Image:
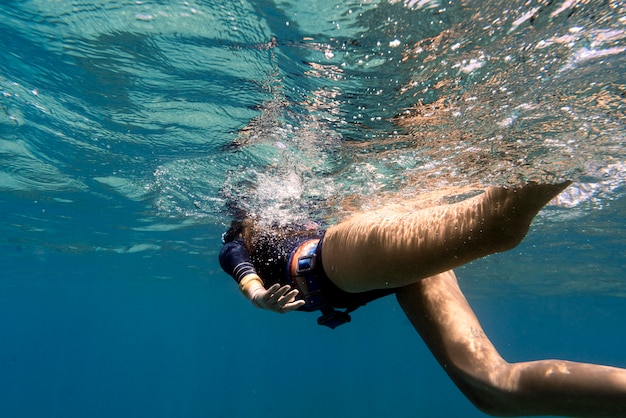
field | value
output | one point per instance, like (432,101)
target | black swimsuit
(270,260)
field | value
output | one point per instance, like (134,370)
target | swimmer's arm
(235,260)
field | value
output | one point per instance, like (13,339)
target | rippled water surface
(131,133)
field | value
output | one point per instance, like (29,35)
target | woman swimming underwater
(411,253)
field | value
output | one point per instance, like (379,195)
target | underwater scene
(133,132)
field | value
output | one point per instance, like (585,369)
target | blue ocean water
(129,130)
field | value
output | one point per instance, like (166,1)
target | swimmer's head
(235,231)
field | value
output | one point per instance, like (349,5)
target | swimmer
(411,253)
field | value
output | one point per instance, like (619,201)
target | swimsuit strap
(302,273)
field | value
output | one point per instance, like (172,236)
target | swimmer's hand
(276,298)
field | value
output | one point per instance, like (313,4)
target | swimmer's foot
(524,201)
(510,211)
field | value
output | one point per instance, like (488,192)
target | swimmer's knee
(492,394)
(490,403)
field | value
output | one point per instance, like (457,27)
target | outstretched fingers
(282,299)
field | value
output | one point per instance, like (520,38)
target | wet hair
(252,233)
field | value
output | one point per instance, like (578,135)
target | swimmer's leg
(442,316)
(391,249)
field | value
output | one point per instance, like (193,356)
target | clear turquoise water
(122,146)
